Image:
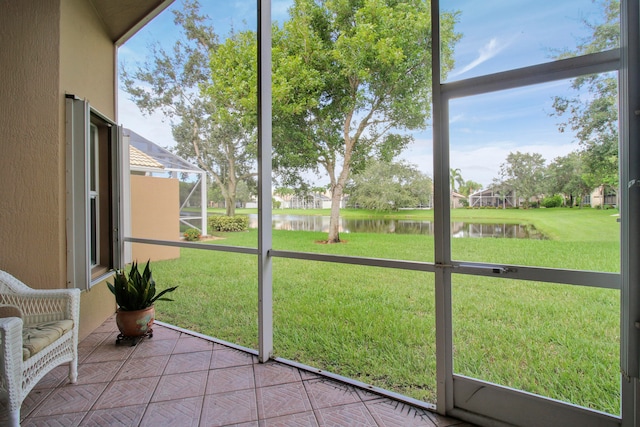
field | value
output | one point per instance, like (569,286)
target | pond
(399,226)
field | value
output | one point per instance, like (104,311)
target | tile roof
(139,159)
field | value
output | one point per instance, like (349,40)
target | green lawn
(377,325)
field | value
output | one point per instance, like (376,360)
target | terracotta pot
(135,323)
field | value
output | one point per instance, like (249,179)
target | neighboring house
(142,164)
(492,198)
(456,200)
(174,167)
(154,208)
(310,201)
(601,196)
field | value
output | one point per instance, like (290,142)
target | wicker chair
(43,337)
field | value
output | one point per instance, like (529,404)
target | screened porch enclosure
(478,328)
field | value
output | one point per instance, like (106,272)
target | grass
(378,325)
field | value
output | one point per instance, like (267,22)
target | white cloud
(482,164)
(486,52)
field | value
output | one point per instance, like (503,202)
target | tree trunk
(230,206)
(334,220)
(230,198)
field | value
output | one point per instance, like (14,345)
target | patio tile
(189,344)
(188,362)
(99,372)
(123,417)
(127,393)
(109,351)
(62,420)
(162,333)
(69,399)
(282,399)
(229,408)
(179,412)
(57,376)
(228,357)
(109,325)
(152,347)
(275,373)
(230,379)
(440,421)
(95,338)
(306,375)
(355,414)
(388,413)
(31,402)
(366,394)
(179,379)
(180,386)
(304,419)
(143,367)
(324,393)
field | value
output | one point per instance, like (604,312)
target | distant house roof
(140,161)
(168,160)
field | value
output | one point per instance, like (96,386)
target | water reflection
(402,226)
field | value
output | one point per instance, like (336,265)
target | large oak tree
(351,79)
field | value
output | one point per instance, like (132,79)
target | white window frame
(94,195)
(79,132)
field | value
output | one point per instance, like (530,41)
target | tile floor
(176,379)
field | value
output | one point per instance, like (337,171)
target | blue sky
(497,35)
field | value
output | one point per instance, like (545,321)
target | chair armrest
(11,351)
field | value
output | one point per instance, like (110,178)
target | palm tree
(455,177)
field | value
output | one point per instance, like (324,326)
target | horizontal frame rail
(341,259)
(502,271)
(493,401)
(540,274)
(206,247)
(536,74)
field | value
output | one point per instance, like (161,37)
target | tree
(455,178)
(524,173)
(205,122)
(566,175)
(469,187)
(594,116)
(350,76)
(385,186)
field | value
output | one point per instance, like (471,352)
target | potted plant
(135,295)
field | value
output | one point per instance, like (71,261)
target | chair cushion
(38,336)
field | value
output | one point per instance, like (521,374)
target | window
(94,202)
(93,188)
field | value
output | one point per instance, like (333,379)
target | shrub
(192,235)
(552,202)
(229,223)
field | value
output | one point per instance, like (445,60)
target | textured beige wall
(87,58)
(155,210)
(49,48)
(87,70)
(31,211)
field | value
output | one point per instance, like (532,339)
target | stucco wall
(155,211)
(49,48)
(87,67)
(87,70)
(31,209)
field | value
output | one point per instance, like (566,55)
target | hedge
(229,223)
